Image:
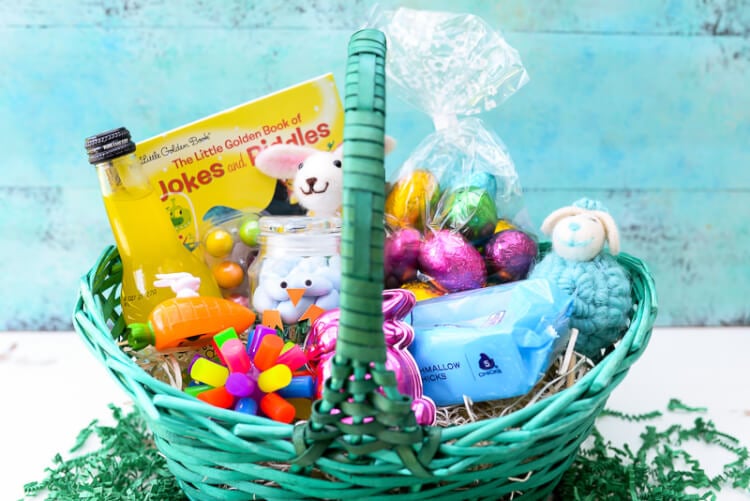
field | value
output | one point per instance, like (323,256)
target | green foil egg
(470,211)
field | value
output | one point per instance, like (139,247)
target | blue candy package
(490,343)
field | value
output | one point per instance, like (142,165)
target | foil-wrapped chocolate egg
(509,256)
(411,199)
(448,258)
(401,251)
(454,179)
(471,211)
(504,224)
(422,290)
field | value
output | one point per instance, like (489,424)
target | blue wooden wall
(644,105)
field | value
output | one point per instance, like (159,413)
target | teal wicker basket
(360,443)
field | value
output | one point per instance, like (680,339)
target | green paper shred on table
(660,469)
(128,467)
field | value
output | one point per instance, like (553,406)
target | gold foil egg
(504,224)
(422,290)
(411,198)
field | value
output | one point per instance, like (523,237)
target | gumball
(411,198)
(249,231)
(509,255)
(452,261)
(422,290)
(219,243)
(470,211)
(401,251)
(228,274)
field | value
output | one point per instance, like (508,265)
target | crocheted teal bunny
(578,264)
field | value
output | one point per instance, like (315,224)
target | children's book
(206,168)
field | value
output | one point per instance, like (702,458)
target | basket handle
(352,413)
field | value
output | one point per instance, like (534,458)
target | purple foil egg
(509,255)
(401,251)
(452,261)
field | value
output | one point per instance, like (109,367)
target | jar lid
(108,145)
(299,224)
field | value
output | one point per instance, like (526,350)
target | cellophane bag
(459,185)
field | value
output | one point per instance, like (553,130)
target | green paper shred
(676,405)
(127,466)
(660,469)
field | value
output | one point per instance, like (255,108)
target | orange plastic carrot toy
(188,321)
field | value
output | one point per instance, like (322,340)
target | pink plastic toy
(397,303)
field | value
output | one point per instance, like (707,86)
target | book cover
(207,167)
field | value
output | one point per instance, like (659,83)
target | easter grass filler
(564,371)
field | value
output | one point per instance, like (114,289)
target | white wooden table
(53,387)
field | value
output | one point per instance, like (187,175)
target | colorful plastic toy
(257,377)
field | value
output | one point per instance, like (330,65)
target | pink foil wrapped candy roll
(397,303)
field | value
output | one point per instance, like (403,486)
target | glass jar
(297,273)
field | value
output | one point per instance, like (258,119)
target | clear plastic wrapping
(447,64)
(229,244)
(460,180)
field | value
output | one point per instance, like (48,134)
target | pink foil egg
(448,258)
(401,253)
(509,255)
(397,303)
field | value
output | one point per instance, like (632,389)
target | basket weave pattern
(380,451)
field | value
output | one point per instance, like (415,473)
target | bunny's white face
(318,183)
(578,238)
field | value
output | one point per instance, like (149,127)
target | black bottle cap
(108,145)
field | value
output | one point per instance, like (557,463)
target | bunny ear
(551,220)
(282,160)
(613,234)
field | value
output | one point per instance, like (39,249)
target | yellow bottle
(147,243)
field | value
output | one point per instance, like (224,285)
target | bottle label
(133,299)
